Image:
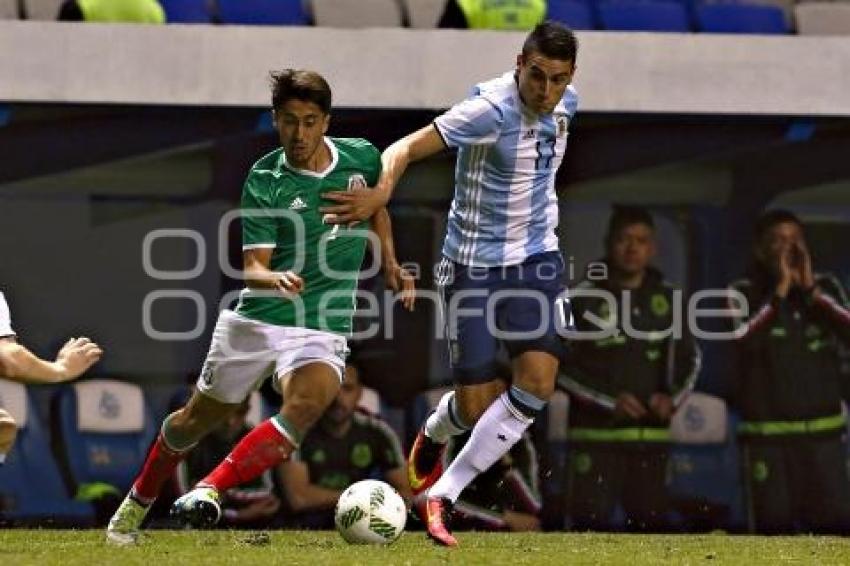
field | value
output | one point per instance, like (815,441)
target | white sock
(442,423)
(498,429)
(2,459)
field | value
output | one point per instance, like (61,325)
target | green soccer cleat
(124,526)
(200,508)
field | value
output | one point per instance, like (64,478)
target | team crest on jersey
(659,304)
(563,122)
(356,181)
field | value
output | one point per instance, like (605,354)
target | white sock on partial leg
(444,423)
(498,429)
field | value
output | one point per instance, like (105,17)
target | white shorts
(244,352)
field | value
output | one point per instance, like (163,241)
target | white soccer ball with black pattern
(370,512)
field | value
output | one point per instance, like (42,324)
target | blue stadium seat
(31,486)
(574,13)
(741,18)
(262,12)
(186,11)
(102,430)
(644,15)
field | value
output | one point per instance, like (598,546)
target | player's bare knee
(539,384)
(304,411)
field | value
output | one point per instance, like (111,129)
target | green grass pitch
(165,548)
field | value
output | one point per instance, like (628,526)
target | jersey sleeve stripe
(258,246)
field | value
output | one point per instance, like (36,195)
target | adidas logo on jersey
(529,134)
(297,204)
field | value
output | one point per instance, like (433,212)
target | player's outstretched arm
(256,264)
(17,363)
(360,204)
(397,278)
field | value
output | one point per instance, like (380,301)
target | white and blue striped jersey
(504,208)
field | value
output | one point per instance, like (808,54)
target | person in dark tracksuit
(789,386)
(625,387)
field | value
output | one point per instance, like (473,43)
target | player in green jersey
(293,316)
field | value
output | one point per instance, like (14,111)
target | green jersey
(280,211)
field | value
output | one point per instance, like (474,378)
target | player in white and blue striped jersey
(505,208)
(501,272)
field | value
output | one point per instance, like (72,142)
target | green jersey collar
(318,175)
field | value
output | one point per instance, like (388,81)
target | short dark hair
(301,84)
(623,216)
(552,40)
(773,217)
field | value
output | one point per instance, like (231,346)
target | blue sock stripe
(454,417)
(526,403)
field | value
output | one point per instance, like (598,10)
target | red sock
(265,446)
(159,467)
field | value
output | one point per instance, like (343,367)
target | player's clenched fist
(289,282)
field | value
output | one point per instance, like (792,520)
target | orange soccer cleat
(425,463)
(436,512)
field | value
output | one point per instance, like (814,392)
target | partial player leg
(8,432)
(465,404)
(472,350)
(180,431)
(307,394)
(498,429)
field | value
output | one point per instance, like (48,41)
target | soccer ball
(370,512)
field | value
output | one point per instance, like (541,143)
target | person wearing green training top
(293,317)
(789,386)
(111,11)
(624,387)
(493,15)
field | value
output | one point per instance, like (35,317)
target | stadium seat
(640,15)
(262,12)
(740,18)
(823,18)
(357,13)
(42,9)
(574,13)
(425,14)
(701,419)
(31,486)
(102,429)
(787,7)
(8,9)
(186,11)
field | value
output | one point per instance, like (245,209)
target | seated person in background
(347,445)
(17,363)
(484,14)
(506,497)
(132,11)
(624,386)
(251,505)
